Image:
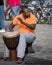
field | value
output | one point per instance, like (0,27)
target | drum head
(10,34)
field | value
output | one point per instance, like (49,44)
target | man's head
(26,11)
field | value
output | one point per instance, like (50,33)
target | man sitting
(27,24)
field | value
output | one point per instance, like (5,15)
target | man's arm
(11,27)
(31,26)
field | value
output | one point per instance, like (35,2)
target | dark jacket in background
(1,2)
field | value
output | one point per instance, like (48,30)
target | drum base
(12,56)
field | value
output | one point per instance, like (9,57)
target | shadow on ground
(37,61)
(29,61)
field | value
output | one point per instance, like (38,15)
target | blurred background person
(2,8)
(14,5)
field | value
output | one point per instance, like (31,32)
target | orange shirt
(22,28)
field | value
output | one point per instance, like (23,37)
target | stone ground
(42,46)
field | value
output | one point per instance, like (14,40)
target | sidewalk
(42,45)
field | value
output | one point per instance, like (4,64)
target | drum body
(11,40)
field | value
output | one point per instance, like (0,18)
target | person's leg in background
(0,27)
(15,10)
(2,19)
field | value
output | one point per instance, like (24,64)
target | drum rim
(4,35)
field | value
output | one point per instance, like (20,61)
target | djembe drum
(11,40)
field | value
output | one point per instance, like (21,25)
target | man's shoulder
(32,15)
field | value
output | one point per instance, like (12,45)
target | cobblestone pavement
(42,45)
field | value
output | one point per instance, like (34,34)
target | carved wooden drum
(11,39)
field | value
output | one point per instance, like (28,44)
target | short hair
(24,7)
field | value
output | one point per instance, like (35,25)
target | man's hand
(11,26)
(31,26)
(11,30)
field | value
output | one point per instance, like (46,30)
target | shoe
(19,61)
(2,30)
